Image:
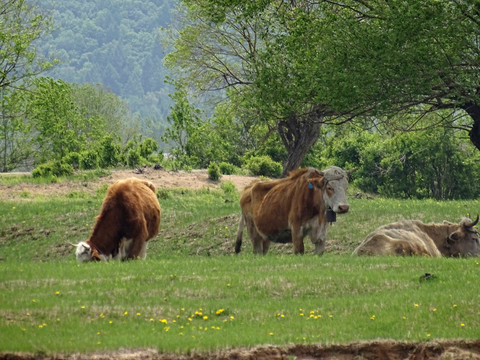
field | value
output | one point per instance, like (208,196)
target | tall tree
(225,47)
(21,23)
(332,61)
(15,145)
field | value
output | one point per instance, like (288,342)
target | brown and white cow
(129,217)
(413,237)
(287,210)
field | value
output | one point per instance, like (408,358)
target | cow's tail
(241,226)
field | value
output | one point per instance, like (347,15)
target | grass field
(193,294)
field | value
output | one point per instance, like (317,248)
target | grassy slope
(49,303)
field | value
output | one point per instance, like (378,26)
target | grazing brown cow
(129,217)
(286,210)
(412,237)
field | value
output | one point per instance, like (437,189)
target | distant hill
(114,43)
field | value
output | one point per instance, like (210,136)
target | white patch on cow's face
(83,252)
(335,194)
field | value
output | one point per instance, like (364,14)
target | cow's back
(138,203)
(406,237)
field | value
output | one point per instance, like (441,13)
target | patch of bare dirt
(382,349)
(196,179)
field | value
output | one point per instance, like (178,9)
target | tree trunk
(474,111)
(298,135)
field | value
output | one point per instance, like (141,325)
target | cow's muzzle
(342,209)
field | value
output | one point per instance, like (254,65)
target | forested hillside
(114,43)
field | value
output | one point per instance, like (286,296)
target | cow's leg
(238,243)
(257,242)
(297,239)
(141,234)
(318,235)
(143,251)
(266,246)
(256,238)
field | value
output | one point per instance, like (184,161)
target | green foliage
(214,172)
(133,158)
(148,147)
(15,132)
(72,159)
(88,160)
(137,152)
(21,24)
(264,165)
(109,152)
(227,168)
(53,168)
(228,187)
(435,164)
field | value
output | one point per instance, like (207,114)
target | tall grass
(193,294)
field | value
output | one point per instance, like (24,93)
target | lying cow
(412,237)
(286,210)
(129,217)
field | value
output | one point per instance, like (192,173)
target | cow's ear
(318,182)
(452,238)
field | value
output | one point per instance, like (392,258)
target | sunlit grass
(193,294)
(200,303)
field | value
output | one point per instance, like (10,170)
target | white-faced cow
(129,217)
(412,237)
(287,210)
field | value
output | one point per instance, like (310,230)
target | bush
(73,159)
(264,165)
(53,168)
(133,158)
(214,171)
(228,187)
(148,147)
(43,170)
(88,160)
(109,152)
(227,168)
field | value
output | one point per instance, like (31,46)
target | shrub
(43,170)
(148,147)
(88,160)
(133,158)
(264,165)
(227,168)
(73,159)
(228,187)
(109,152)
(53,168)
(214,171)
(61,169)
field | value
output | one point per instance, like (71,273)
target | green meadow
(194,294)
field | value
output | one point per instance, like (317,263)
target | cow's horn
(74,245)
(470,223)
(351,171)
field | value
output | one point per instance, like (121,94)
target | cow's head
(336,184)
(84,252)
(463,239)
